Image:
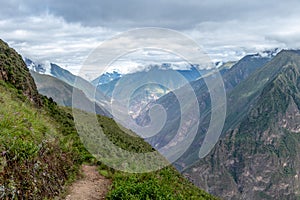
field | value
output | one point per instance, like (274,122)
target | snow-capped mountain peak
(106,78)
(41,68)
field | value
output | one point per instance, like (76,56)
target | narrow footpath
(92,186)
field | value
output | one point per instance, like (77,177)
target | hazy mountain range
(257,156)
(58,83)
(42,153)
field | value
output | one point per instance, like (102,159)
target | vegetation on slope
(259,157)
(41,151)
(12,71)
(166,183)
(35,160)
(163,184)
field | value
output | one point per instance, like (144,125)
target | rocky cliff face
(14,71)
(260,157)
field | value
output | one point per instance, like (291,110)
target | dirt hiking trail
(92,186)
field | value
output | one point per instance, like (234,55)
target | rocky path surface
(92,186)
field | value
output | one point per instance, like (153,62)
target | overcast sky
(65,32)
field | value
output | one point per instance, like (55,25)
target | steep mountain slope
(166,183)
(12,71)
(51,69)
(239,98)
(49,86)
(243,68)
(61,92)
(232,77)
(66,76)
(245,93)
(259,157)
(35,162)
(41,151)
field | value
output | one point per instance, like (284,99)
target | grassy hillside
(41,151)
(166,183)
(36,161)
(13,72)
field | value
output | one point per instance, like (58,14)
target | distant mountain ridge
(191,73)
(106,78)
(61,90)
(41,151)
(232,76)
(54,70)
(61,93)
(257,156)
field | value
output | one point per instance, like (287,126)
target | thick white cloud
(65,33)
(229,40)
(47,37)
